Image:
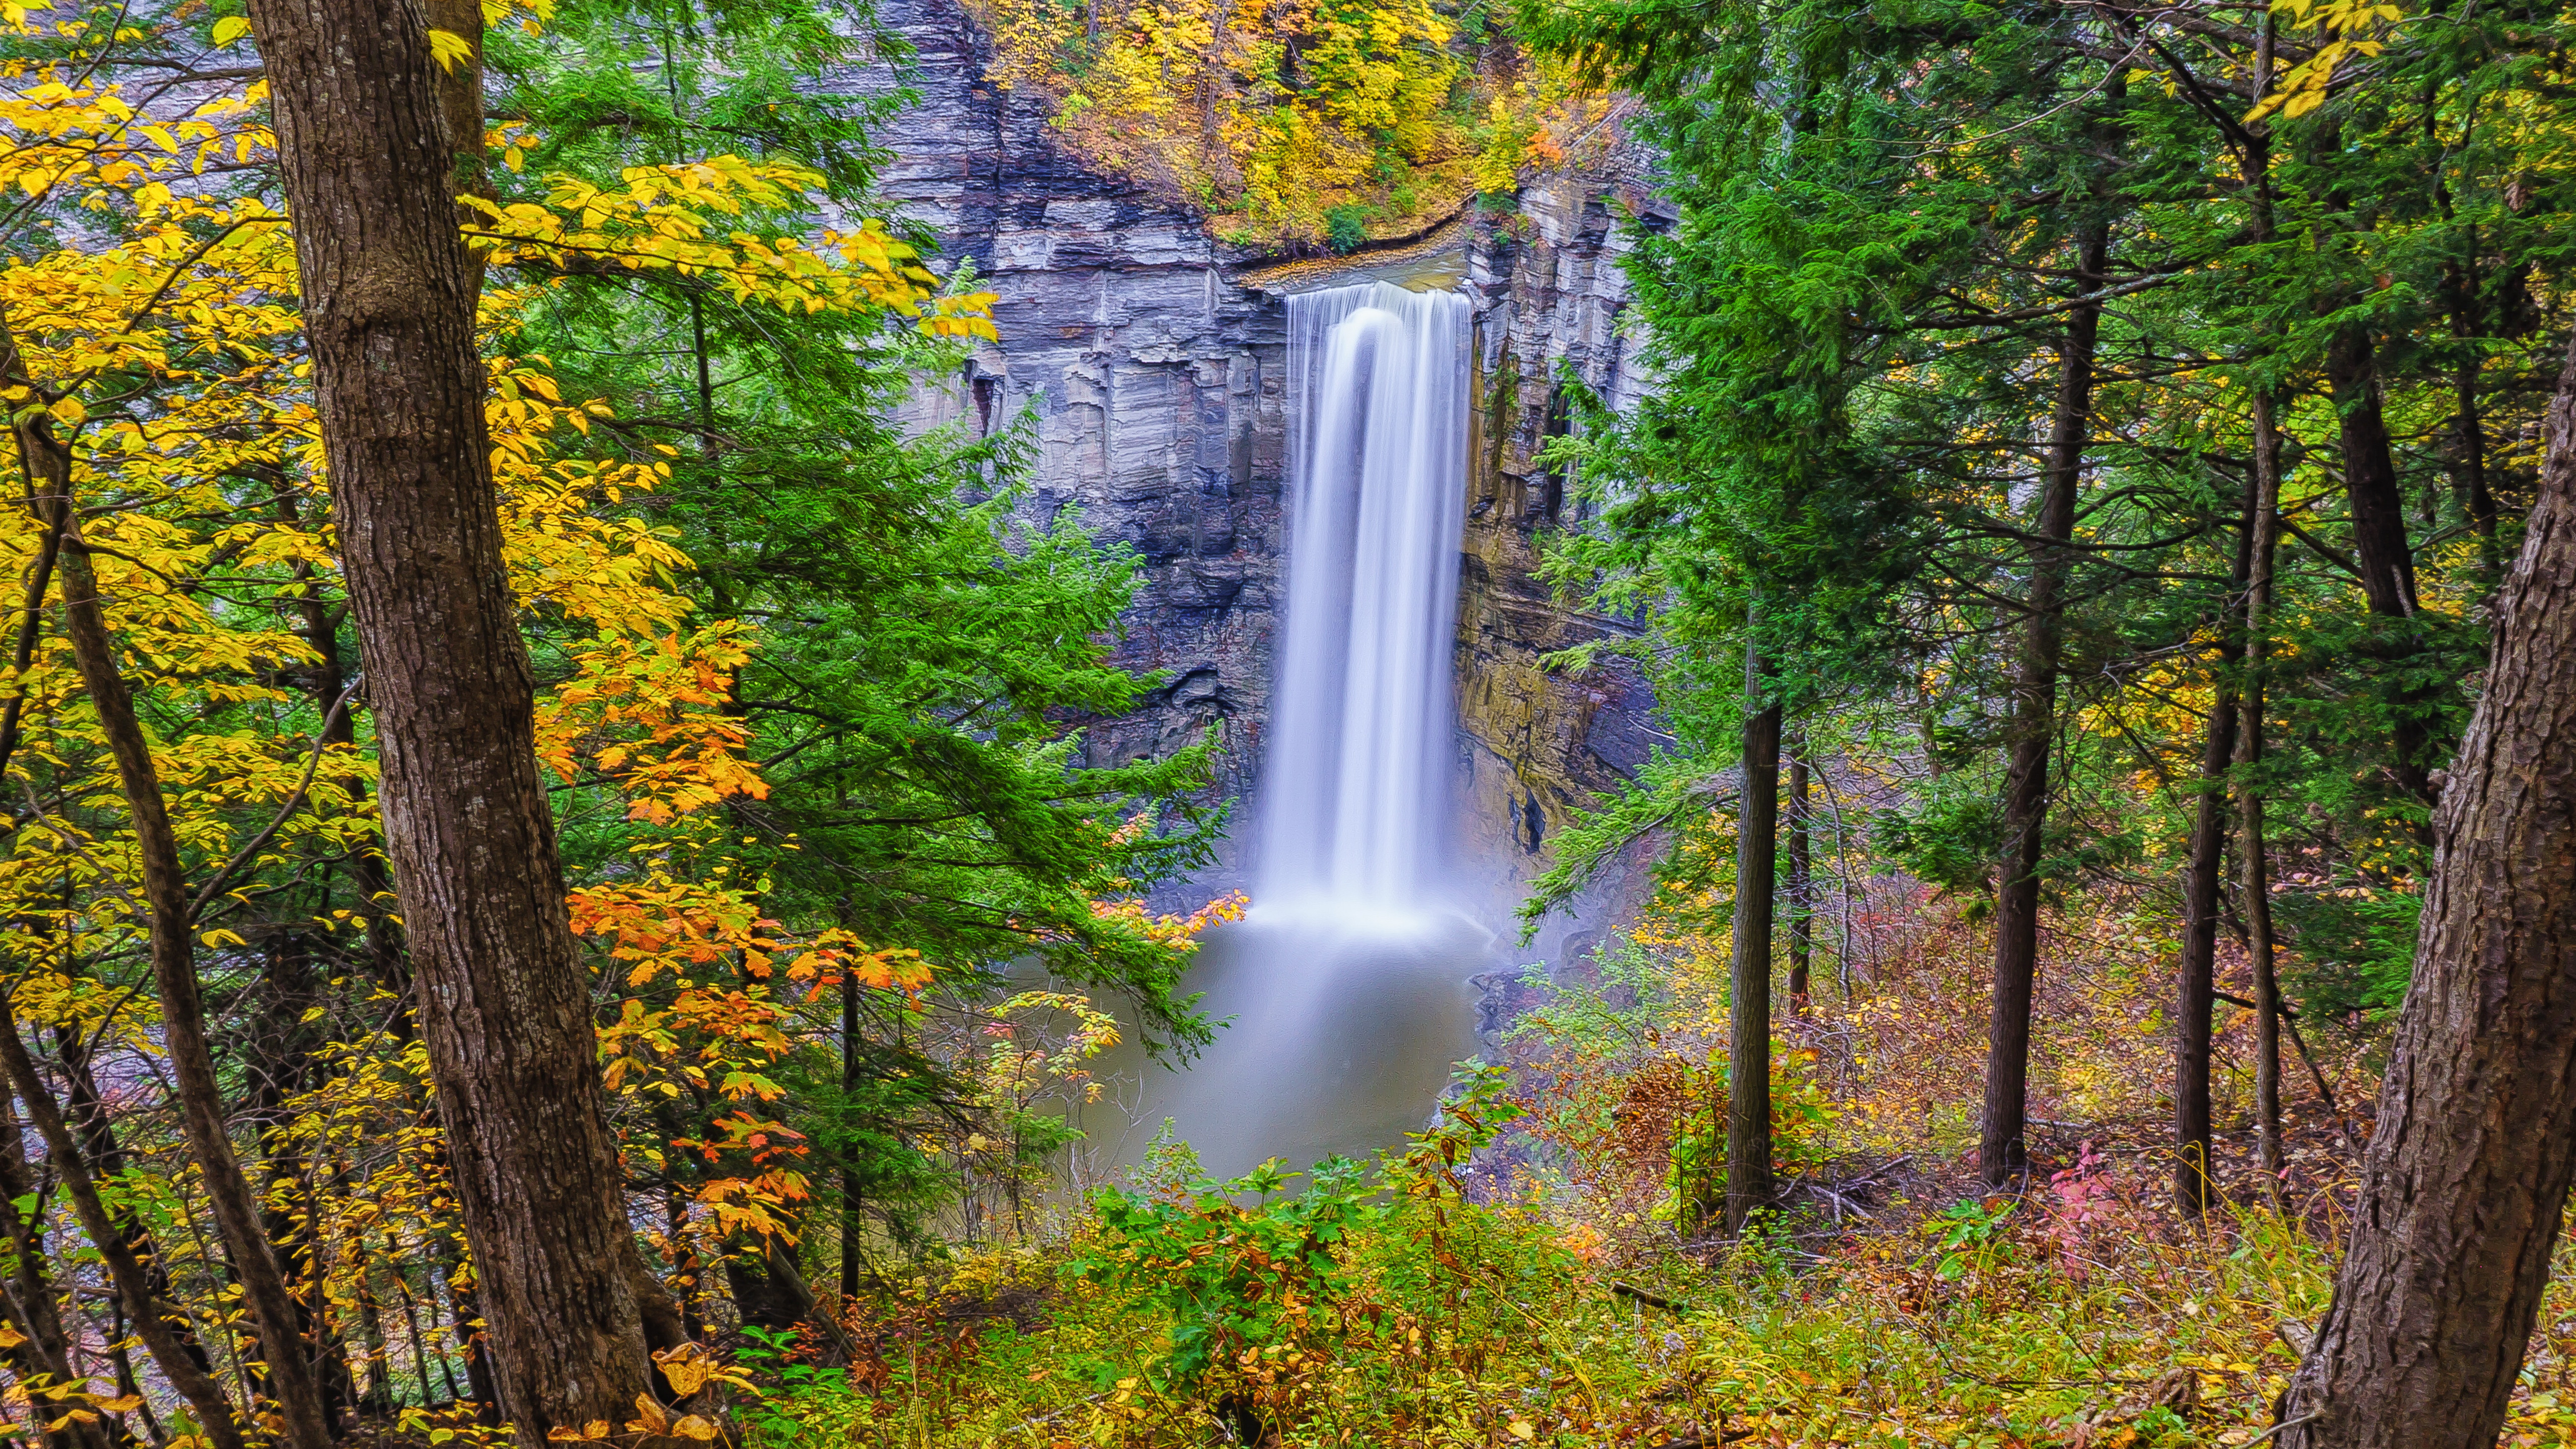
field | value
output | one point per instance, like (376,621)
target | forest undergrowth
(1530,1271)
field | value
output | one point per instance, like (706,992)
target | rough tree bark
(2467,1178)
(2002,1150)
(503,1000)
(1749,1187)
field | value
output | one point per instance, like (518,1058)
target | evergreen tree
(927,653)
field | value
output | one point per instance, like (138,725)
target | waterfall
(1354,786)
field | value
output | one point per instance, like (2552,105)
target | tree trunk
(2378,510)
(377,1397)
(2257,884)
(375,883)
(32,1308)
(2469,483)
(2194,1187)
(481,1381)
(2466,1181)
(1802,912)
(2370,476)
(106,1158)
(169,925)
(2195,1002)
(152,1318)
(852,1264)
(1748,1057)
(503,995)
(2002,1149)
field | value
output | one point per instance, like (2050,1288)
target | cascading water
(1354,788)
(1345,994)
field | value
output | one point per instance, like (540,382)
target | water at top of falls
(1355,786)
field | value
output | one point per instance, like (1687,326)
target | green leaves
(1234,1279)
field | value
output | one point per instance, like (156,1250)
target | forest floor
(1523,1282)
(2084,1313)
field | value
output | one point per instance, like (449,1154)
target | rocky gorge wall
(1149,363)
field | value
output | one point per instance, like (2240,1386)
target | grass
(1516,1277)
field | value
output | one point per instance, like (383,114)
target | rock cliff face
(1536,743)
(1150,364)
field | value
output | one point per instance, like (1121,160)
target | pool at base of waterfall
(1337,1036)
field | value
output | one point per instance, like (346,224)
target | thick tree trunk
(2466,1181)
(1749,1187)
(503,996)
(2002,1150)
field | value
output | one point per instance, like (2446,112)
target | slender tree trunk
(378,1396)
(2469,485)
(2002,1149)
(2371,490)
(152,1318)
(395,1271)
(2257,884)
(121,1362)
(283,1069)
(852,1265)
(32,1307)
(374,880)
(504,1002)
(482,1383)
(460,114)
(1749,1187)
(2466,1181)
(2195,1003)
(1802,913)
(106,1156)
(2378,509)
(2194,1186)
(169,923)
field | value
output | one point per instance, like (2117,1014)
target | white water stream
(1345,993)
(1354,793)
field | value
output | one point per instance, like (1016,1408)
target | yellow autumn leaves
(149,318)
(1274,115)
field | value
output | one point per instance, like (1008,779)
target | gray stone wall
(1148,362)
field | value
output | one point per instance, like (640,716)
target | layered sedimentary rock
(1537,743)
(1147,363)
